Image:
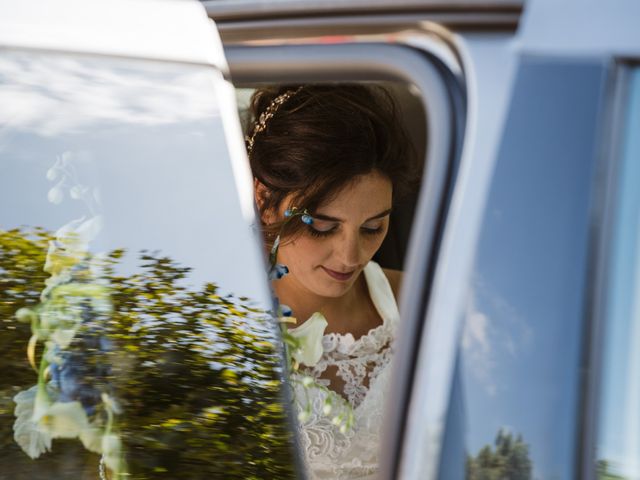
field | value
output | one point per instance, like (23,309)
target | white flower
(25,432)
(77,234)
(309,336)
(26,315)
(71,244)
(303,416)
(63,420)
(55,195)
(58,419)
(38,421)
(91,438)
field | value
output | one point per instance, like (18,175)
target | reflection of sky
(148,139)
(522,335)
(619,440)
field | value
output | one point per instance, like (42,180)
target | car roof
(150,29)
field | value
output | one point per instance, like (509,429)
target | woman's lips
(342,277)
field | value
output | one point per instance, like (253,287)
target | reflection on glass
(508,458)
(520,349)
(154,377)
(134,339)
(618,447)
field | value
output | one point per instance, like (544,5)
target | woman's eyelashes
(321,230)
(325,231)
(372,230)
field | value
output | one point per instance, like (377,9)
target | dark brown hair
(321,139)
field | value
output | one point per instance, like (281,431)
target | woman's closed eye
(372,230)
(321,229)
(373,227)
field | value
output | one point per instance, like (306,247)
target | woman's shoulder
(395,280)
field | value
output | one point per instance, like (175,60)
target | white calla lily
(26,433)
(64,420)
(309,335)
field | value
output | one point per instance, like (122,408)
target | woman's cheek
(306,252)
(374,249)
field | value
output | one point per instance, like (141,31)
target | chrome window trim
(444,313)
(246,29)
(292,9)
(602,239)
(378,61)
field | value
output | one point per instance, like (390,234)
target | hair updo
(323,138)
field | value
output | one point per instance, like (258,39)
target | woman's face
(328,257)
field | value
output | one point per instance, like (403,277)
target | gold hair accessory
(267,114)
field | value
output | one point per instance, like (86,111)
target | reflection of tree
(604,471)
(508,460)
(196,373)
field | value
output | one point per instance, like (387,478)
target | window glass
(515,395)
(134,338)
(618,447)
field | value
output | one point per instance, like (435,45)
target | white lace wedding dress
(364,366)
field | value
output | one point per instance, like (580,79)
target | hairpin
(268,113)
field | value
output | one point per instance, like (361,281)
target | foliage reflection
(196,374)
(509,459)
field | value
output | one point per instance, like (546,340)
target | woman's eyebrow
(319,216)
(380,215)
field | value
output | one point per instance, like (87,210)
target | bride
(338,155)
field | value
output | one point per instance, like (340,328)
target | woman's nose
(349,251)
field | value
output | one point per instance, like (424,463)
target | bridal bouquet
(72,397)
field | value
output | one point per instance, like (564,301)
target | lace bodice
(363,365)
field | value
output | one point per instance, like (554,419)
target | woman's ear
(261,192)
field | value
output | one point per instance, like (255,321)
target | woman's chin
(321,284)
(334,293)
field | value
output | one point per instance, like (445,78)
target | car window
(618,439)
(135,338)
(514,399)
